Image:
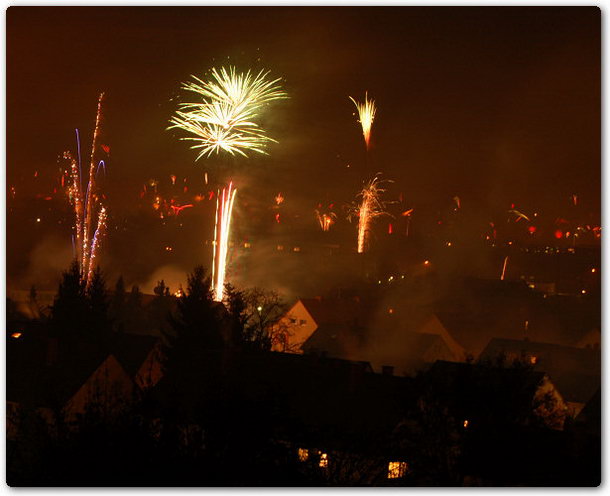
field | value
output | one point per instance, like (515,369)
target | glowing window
(303,454)
(396,470)
(323,460)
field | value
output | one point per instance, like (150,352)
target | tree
(100,324)
(118,305)
(70,310)
(160,308)
(195,329)
(263,310)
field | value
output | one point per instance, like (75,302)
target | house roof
(131,350)
(575,371)
(333,310)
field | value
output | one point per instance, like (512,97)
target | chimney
(387,370)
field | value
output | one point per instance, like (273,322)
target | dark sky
(495,105)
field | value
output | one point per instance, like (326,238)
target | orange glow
(323,460)
(533,360)
(593,270)
(465,424)
(558,234)
(390,310)
(426,262)
(16,335)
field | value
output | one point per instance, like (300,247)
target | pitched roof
(333,310)
(131,350)
(575,371)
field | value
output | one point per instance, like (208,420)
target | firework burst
(225,116)
(366,116)
(326,220)
(369,206)
(224,209)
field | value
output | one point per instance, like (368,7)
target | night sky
(496,105)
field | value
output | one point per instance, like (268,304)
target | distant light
(531,229)
(259,308)
(178,294)
(296,248)
(390,310)
(593,270)
(303,454)
(390,279)
(426,262)
(533,360)
(396,470)
(448,243)
(584,291)
(466,423)
(16,335)
(323,460)
(280,247)
(38,219)
(168,248)
(558,234)
(247,245)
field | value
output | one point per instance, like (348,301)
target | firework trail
(504,268)
(87,206)
(366,116)
(225,116)
(368,206)
(224,209)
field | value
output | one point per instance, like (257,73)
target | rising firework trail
(366,116)
(368,206)
(504,268)
(225,115)
(90,215)
(222,229)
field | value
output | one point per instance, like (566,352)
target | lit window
(396,470)
(323,460)
(303,454)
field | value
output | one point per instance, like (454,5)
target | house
(576,372)
(307,314)
(477,393)
(84,380)
(140,356)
